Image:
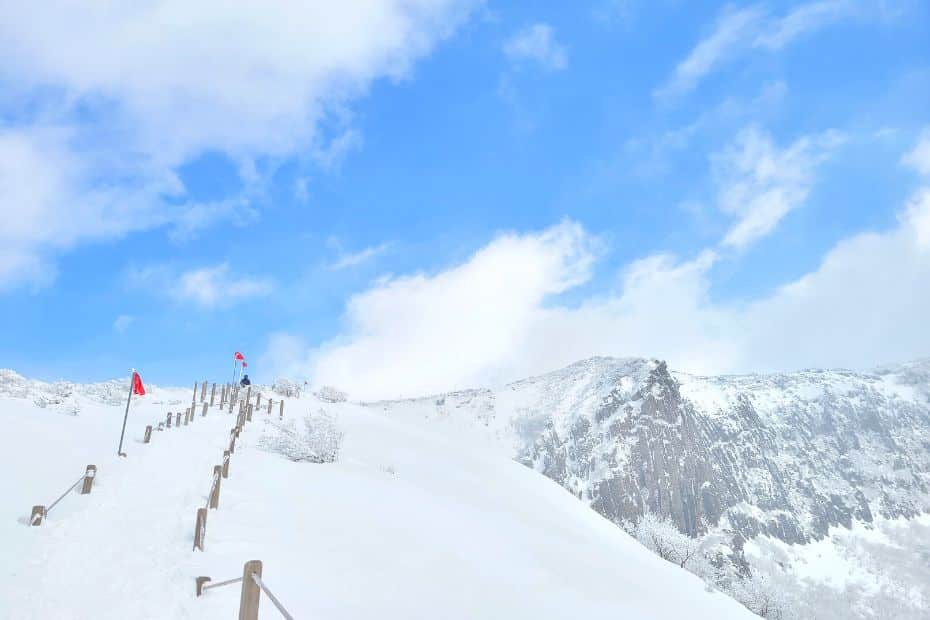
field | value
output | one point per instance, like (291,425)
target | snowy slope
(785,455)
(408,524)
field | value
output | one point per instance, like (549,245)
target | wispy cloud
(536,44)
(352,259)
(737,31)
(918,158)
(122,323)
(732,31)
(212,286)
(759,184)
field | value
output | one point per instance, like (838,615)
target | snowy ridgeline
(405,523)
(68,397)
(788,457)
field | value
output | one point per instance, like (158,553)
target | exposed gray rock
(787,455)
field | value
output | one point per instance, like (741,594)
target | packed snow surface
(406,524)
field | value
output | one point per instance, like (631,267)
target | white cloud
(731,32)
(738,31)
(496,316)
(353,259)
(536,43)
(51,198)
(334,153)
(803,19)
(122,323)
(759,183)
(215,286)
(919,157)
(120,96)
(212,286)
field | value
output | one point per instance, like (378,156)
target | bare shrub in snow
(313,439)
(329,394)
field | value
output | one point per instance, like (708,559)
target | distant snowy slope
(787,455)
(409,523)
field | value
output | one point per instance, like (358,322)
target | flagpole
(132,378)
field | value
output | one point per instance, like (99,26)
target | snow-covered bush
(704,557)
(329,394)
(314,439)
(285,387)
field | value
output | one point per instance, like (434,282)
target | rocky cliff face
(785,455)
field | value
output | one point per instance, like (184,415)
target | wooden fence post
(187,416)
(161,426)
(222,396)
(201,582)
(226,454)
(204,413)
(281,415)
(251,593)
(200,528)
(203,392)
(177,422)
(168,423)
(248,412)
(194,397)
(232,441)
(258,401)
(89,474)
(215,496)
(148,434)
(38,513)
(269,406)
(212,394)
(248,394)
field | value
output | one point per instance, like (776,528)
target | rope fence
(250,594)
(40,512)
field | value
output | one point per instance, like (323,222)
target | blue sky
(400,197)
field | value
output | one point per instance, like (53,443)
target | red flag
(137,387)
(238,356)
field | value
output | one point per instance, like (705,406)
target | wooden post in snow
(168,423)
(269,406)
(232,441)
(248,394)
(177,422)
(200,528)
(212,394)
(203,392)
(226,454)
(281,414)
(248,413)
(38,513)
(251,593)
(148,435)
(187,416)
(194,397)
(204,413)
(258,401)
(89,474)
(215,495)
(201,582)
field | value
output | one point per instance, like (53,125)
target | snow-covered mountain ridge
(786,455)
(404,524)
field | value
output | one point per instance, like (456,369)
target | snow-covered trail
(128,540)
(409,523)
